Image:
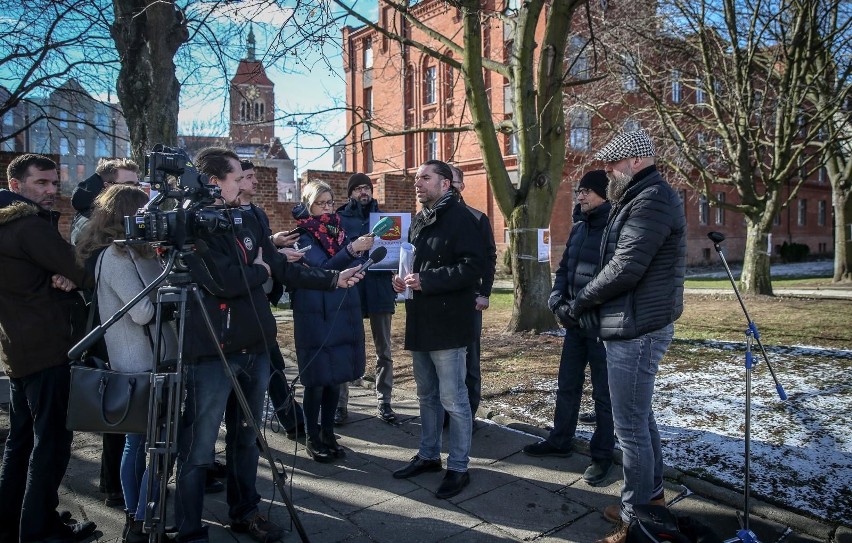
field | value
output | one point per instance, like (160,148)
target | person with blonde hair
(122,271)
(327,325)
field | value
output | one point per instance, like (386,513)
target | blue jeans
(440,386)
(207,392)
(37,452)
(577,351)
(134,475)
(632,366)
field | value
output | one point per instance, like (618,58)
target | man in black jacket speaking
(638,294)
(440,322)
(232,269)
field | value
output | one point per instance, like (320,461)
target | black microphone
(716,237)
(377,256)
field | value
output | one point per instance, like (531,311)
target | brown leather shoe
(618,535)
(613,513)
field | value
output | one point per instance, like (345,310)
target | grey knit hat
(627,145)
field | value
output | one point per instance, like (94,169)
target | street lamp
(297,125)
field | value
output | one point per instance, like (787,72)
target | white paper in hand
(406,266)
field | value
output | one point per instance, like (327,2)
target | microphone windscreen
(382,227)
(379,254)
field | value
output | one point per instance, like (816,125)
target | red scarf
(327,230)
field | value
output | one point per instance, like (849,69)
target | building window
(101,121)
(512,144)
(81,120)
(703,210)
(776,220)
(720,211)
(579,61)
(63,173)
(63,119)
(368,102)
(64,150)
(81,146)
(101,148)
(8,145)
(628,74)
(631,125)
(81,172)
(581,129)
(409,151)
(821,212)
(368,53)
(821,175)
(408,92)
(9,119)
(368,156)
(803,212)
(429,85)
(431,146)
(700,93)
(676,89)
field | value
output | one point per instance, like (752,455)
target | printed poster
(392,240)
(544,244)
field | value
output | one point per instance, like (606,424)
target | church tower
(252,101)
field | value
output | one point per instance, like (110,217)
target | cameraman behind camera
(231,269)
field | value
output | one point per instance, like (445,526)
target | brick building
(404,90)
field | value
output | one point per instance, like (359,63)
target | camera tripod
(752,335)
(175,287)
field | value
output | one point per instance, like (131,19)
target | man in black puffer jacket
(638,294)
(582,344)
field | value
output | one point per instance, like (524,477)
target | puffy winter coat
(38,323)
(450,259)
(376,289)
(580,261)
(328,327)
(639,288)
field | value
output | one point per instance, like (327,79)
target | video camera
(191,218)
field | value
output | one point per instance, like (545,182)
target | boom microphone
(381,228)
(377,256)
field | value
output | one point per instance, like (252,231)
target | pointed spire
(250,53)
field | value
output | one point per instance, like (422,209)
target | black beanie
(356,180)
(595,180)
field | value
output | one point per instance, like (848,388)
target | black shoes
(260,528)
(330,441)
(453,483)
(386,413)
(318,450)
(587,417)
(544,448)
(218,469)
(70,533)
(212,485)
(417,466)
(597,472)
(340,415)
(297,432)
(114,499)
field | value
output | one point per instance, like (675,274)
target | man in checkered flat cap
(638,294)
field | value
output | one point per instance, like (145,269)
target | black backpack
(656,524)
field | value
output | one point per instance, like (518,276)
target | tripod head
(716,238)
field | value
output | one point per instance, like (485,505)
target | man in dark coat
(38,314)
(638,294)
(582,344)
(473,378)
(377,297)
(440,322)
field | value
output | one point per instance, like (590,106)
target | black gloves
(562,312)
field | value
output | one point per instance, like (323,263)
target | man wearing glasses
(110,171)
(582,343)
(377,298)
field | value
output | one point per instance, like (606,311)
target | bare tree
(727,91)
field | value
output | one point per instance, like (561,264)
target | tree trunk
(147,35)
(532,278)
(756,277)
(842,204)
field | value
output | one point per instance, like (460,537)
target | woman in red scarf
(328,326)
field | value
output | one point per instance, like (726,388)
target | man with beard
(37,327)
(638,294)
(440,322)
(377,298)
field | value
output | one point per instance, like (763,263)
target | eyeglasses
(363,188)
(327,203)
(583,192)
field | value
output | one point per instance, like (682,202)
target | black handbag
(103,400)
(107,401)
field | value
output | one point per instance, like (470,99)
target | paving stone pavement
(512,497)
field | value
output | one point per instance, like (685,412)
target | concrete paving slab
(586,529)
(482,533)
(550,473)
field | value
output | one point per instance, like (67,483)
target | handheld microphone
(381,228)
(377,256)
